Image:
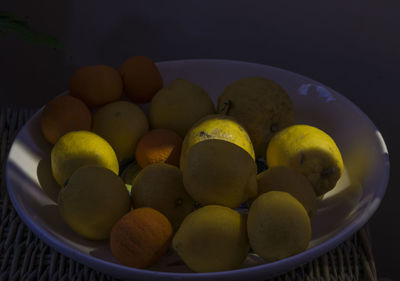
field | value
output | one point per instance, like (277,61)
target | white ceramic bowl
(342,212)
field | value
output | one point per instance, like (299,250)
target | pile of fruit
(174,178)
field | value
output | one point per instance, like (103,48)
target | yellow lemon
(310,151)
(121,123)
(178,106)
(278,226)
(219,172)
(219,127)
(289,180)
(261,105)
(160,186)
(212,238)
(92,201)
(81,148)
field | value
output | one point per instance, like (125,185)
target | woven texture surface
(25,257)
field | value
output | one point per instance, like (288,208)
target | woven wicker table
(23,256)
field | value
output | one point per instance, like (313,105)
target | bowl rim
(247,272)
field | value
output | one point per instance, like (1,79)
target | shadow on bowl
(46,180)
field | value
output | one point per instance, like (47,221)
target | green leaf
(11,23)
(4,14)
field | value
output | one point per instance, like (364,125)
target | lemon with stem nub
(310,151)
(261,105)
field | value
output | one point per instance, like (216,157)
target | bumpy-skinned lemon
(160,186)
(278,226)
(219,172)
(92,201)
(81,148)
(219,127)
(178,106)
(212,238)
(261,105)
(289,180)
(310,151)
(121,123)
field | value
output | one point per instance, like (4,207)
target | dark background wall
(351,46)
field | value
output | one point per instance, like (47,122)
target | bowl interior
(342,211)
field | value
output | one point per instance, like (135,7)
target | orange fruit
(159,145)
(62,115)
(96,84)
(140,237)
(141,78)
